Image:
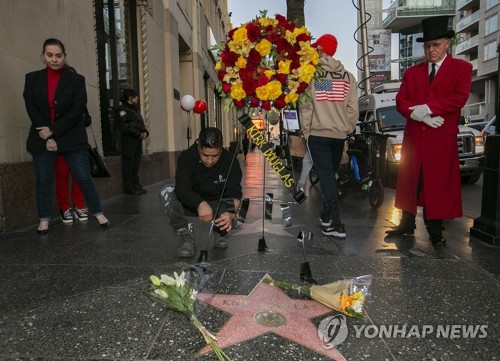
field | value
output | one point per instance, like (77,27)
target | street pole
(487,226)
(364,46)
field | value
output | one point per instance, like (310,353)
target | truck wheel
(376,194)
(471,179)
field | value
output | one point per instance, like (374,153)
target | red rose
(255,102)
(249,86)
(229,57)
(239,103)
(226,87)
(280,103)
(253,32)
(303,37)
(262,80)
(266,105)
(281,78)
(302,87)
(253,59)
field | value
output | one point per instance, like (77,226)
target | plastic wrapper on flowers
(179,293)
(346,296)
(266,63)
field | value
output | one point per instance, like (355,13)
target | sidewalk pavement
(77,292)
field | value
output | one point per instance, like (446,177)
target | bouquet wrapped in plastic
(179,294)
(346,296)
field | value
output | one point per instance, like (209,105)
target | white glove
(419,112)
(433,122)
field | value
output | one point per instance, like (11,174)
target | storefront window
(117,62)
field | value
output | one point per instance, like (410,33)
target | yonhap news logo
(333,331)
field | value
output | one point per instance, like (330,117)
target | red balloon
(200,106)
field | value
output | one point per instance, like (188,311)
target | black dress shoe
(438,242)
(134,192)
(42,231)
(140,189)
(401,230)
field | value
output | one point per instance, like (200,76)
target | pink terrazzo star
(242,325)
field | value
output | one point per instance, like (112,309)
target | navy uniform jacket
(130,121)
(70,102)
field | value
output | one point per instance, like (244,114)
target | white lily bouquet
(178,294)
(347,296)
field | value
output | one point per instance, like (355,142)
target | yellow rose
(237,91)
(218,66)
(241,62)
(291,98)
(284,66)
(264,47)
(240,35)
(262,92)
(274,88)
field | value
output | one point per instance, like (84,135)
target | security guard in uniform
(133,132)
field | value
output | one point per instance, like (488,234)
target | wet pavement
(77,292)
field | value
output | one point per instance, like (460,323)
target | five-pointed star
(242,325)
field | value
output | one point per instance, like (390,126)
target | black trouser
(434,226)
(131,160)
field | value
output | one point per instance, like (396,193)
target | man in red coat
(430,98)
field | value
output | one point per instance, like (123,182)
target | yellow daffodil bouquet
(346,296)
(266,63)
(178,294)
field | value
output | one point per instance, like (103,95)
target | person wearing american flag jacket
(327,118)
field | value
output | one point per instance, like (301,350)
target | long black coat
(70,102)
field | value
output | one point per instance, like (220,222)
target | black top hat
(435,28)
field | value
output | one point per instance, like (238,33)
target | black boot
(406,226)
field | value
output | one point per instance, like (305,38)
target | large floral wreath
(266,63)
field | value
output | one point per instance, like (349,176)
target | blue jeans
(326,154)
(78,162)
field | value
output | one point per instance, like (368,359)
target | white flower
(166,279)
(161,293)
(193,294)
(180,281)
(357,306)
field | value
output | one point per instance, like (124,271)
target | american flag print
(331,90)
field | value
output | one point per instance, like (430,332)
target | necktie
(432,73)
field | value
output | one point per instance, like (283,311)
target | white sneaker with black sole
(335,230)
(67,216)
(81,214)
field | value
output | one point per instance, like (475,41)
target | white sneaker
(81,214)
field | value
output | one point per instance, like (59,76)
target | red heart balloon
(200,106)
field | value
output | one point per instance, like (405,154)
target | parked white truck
(378,112)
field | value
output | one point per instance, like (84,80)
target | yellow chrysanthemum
(264,47)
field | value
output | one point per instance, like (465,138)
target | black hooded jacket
(195,183)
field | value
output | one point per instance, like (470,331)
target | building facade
(160,48)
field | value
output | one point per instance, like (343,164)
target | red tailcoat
(434,150)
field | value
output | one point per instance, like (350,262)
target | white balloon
(187,102)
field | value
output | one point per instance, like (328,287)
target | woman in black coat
(55,99)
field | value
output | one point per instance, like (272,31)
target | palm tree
(295,11)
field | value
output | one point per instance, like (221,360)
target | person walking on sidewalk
(431,97)
(205,174)
(55,99)
(327,119)
(133,132)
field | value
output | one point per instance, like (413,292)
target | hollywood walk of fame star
(264,298)
(256,227)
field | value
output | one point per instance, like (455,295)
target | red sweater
(53,77)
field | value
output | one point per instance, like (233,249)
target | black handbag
(98,167)
(87,119)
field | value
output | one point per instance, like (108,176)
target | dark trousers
(326,154)
(178,213)
(131,160)
(78,163)
(434,226)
